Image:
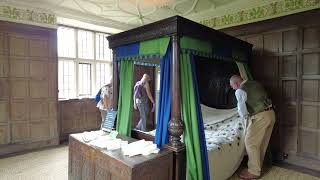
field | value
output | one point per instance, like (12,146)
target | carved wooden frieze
(173,25)
(150,31)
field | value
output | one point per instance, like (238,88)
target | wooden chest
(90,163)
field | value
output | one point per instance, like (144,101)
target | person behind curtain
(105,102)
(141,97)
(255,106)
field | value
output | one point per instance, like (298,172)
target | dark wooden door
(138,73)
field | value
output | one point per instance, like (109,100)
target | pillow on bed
(213,115)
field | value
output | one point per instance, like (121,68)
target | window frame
(93,62)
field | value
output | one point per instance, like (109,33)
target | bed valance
(145,53)
(213,50)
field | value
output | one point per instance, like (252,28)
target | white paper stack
(109,143)
(92,135)
(140,147)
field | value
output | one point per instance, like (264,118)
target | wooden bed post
(175,127)
(175,124)
(115,80)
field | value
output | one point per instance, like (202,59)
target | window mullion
(93,66)
(63,81)
(76,67)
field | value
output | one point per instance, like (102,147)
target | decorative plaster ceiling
(126,14)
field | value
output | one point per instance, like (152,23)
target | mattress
(224,131)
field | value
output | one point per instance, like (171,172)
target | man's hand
(135,106)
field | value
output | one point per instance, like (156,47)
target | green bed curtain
(154,46)
(246,67)
(189,115)
(125,102)
(195,44)
(244,71)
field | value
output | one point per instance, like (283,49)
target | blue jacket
(98,98)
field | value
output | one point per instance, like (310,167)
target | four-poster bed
(179,44)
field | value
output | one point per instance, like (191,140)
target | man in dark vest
(255,106)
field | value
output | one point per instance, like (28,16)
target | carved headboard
(213,82)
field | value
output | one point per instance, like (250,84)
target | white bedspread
(224,131)
(211,115)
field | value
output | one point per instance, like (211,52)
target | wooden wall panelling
(39,130)
(20,132)
(272,42)
(288,140)
(4,115)
(257,42)
(18,45)
(289,66)
(39,89)
(93,117)
(31,119)
(311,64)
(4,134)
(78,115)
(299,82)
(19,67)
(19,88)
(310,39)
(310,77)
(293,41)
(4,91)
(69,115)
(53,80)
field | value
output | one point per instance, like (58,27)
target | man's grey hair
(236,78)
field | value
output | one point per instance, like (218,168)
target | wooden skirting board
(13,149)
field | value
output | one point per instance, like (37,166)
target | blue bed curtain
(164,107)
(203,145)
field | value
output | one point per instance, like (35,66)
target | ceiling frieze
(272,10)
(21,15)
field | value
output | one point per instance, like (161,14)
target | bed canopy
(178,43)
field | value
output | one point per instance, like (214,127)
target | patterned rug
(52,164)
